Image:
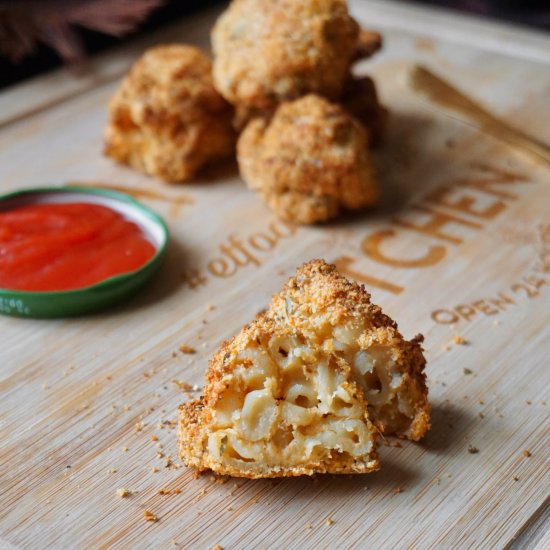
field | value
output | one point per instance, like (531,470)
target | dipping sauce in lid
(67,246)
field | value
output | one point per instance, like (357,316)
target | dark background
(534,13)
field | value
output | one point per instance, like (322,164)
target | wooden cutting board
(459,248)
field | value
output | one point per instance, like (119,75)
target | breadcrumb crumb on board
(184,386)
(149,516)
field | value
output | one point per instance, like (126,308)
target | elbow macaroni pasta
(288,405)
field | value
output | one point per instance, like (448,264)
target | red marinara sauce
(65,246)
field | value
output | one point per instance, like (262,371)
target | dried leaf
(24,24)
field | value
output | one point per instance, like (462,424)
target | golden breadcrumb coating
(286,396)
(309,162)
(334,312)
(166,119)
(268,51)
(360,99)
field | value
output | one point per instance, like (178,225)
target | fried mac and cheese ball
(295,391)
(268,51)
(166,119)
(359,93)
(309,161)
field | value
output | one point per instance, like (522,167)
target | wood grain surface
(459,248)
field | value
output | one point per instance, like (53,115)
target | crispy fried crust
(319,320)
(167,119)
(268,51)
(309,162)
(319,292)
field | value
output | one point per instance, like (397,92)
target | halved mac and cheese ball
(309,162)
(334,314)
(276,406)
(166,119)
(269,51)
(295,391)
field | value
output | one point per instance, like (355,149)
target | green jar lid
(69,303)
